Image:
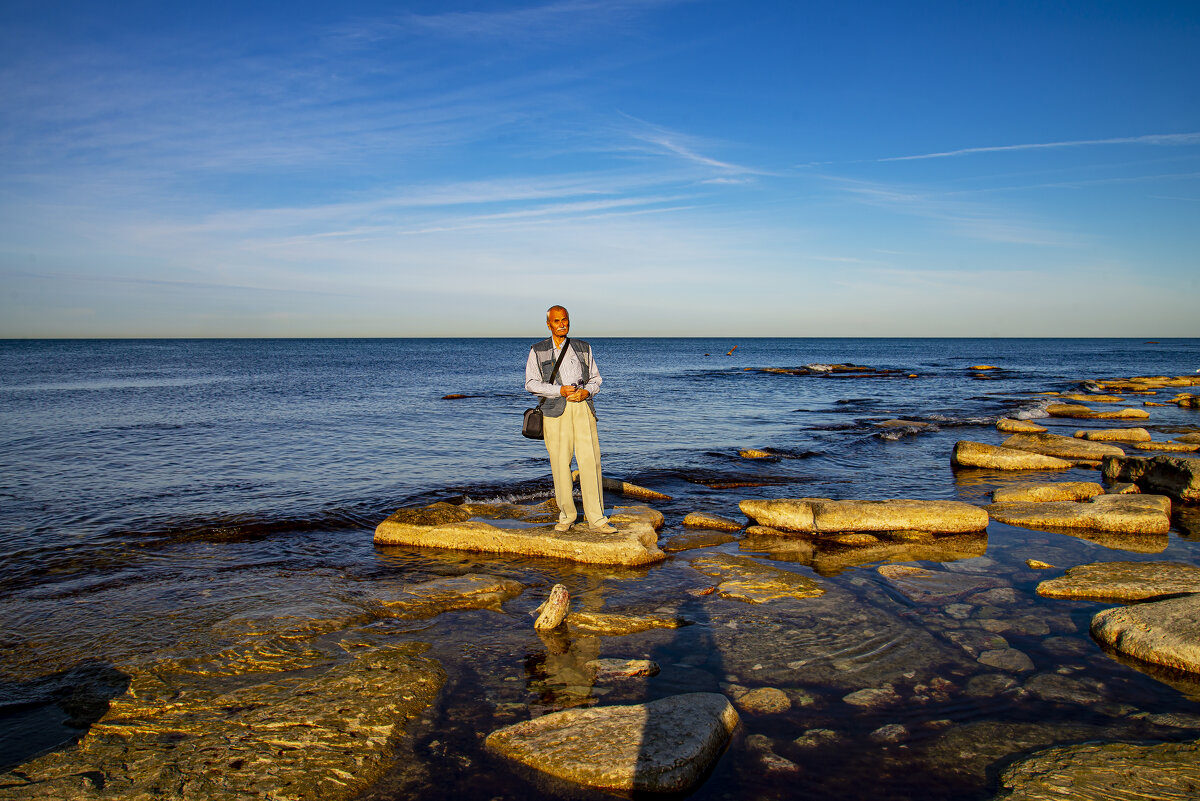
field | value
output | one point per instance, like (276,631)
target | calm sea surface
(151,488)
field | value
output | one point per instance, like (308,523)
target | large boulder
(1103,771)
(1034,492)
(664,746)
(821,515)
(634,543)
(1127,514)
(1163,632)
(1123,581)
(1061,447)
(995,457)
(1177,477)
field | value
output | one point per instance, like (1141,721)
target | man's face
(559,323)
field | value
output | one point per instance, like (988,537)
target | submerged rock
(1103,771)
(925,586)
(711,521)
(1011,426)
(1061,447)
(1034,492)
(702,538)
(615,624)
(1190,439)
(763,701)
(1127,514)
(621,668)
(665,746)
(1165,632)
(828,557)
(324,727)
(1177,477)
(1115,435)
(1123,581)
(996,457)
(754,453)
(745,579)
(821,515)
(635,542)
(470,591)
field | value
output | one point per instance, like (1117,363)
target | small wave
(896,433)
(1035,410)
(240,528)
(946,421)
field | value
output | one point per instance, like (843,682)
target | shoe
(563,525)
(603,528)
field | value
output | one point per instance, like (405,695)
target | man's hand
(578,395)
(568,390)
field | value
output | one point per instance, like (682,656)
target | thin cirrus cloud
(1148,139)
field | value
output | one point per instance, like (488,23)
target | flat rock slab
(1061,447)
(711,521)
(1172,447)
(1125,514)
(1163,632)
(1177,477)
(664,746)
(1036,492)
(1105,772)
(821,515)
(1123,581)
(997,457)
(1010,426)
(935,586)
(634,543)
(744,579)
(470,591)
(1114,435)
(1083,412)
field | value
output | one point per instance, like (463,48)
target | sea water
(153,488)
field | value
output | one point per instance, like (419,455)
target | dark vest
(544,352)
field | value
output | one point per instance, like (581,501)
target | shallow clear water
(155,491)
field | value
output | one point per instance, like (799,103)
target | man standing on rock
(569,418)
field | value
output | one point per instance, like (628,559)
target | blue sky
(660,167)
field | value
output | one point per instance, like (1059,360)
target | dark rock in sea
(1177,477)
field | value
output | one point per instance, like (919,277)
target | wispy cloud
(1149,139)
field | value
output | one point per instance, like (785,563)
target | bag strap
(561,354)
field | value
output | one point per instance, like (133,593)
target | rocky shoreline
(323,707)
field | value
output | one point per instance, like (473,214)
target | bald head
(558,321)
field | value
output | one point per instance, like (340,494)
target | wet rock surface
(745,579)
(821,515)
(1115,435)
(1123,581)
(659,747)
(1061,447)
(1128,514)
(711,521)
(1018,426)
(999,457)
(1032,492)
(470,591)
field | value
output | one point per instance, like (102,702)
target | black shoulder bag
(531,426)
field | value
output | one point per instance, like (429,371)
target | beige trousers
(574,432)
